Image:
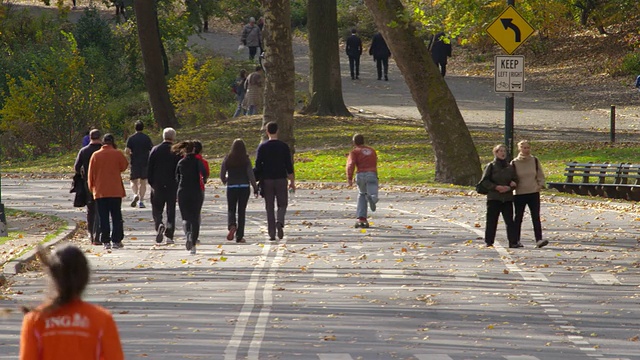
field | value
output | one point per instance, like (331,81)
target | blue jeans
(367,186)
(239,109)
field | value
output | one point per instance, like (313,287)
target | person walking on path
(440,51)
(81,167)
(105,182)
(162,179)
(138,147)
(65,326)
(381,54)
(251,37)
(500,178)
(189,174)
(237,173)
(354,50)
(255,91)
(197,150)
(363,160)
(240,91)
(530,181)
(273,167)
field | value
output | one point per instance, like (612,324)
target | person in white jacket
(530,182)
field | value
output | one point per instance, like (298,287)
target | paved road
(417,285)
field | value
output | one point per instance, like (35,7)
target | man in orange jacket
(105,182)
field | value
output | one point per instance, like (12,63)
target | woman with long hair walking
(237,173)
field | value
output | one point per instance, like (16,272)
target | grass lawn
(322,144)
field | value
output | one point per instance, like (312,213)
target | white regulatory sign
(509,73)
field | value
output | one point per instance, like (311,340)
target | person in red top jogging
(65,327)
(365,160)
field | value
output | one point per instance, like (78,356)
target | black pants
(494,209)
(93,220)
(380,65)
(110,207)
(275,192)
(252,52)
(533,201)
(237,199)
(354,64)
(190,208)
(443,67)
(161,198)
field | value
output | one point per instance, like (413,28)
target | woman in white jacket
(530,182)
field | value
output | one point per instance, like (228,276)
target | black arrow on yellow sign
(508,23)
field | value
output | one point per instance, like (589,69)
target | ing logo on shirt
(366,152)
(67,321)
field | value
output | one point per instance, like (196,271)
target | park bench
(618,181)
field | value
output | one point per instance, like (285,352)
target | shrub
(630,64)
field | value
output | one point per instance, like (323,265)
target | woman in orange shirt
(65,327)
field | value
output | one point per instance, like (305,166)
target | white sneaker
(192,251)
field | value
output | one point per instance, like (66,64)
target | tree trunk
(325,84)
(154,77)
(457,159)
(279,94)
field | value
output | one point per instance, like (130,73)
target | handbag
(480,188)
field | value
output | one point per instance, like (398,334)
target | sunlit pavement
(418,284)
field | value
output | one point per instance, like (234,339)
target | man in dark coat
(162,179)
(381,55)
(440,51)
(81,167)
(354,50)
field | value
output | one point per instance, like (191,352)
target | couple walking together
(524,175)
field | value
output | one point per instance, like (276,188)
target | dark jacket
(354,46)
(189,172)
(273,160)
(439,49)
(499,172)
(81,165)
(162,167)
(379,48)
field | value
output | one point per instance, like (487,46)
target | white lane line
(469,276)
(432,357)
(231,352)
(533,276)
(335,357)
(267,303)
(392,274)
(605,279)
(325,273)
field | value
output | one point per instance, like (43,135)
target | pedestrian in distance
(239,90)
(363,160)
(274,166)
(86,139)
(381,53)
(162,180)
(237,174)
(638,83)
(500,179)
(81,168)
(354,50)
(65,326)
(105,182)
(251,37)
(530,181)
(254,85)
(138,147)
(189,174)
(440,51)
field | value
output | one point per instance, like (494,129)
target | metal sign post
(509,30)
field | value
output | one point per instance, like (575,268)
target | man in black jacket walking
(354,50)
(380,52)
(81,167)
(162,179)
(440,51)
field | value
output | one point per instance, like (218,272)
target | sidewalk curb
(15,266)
